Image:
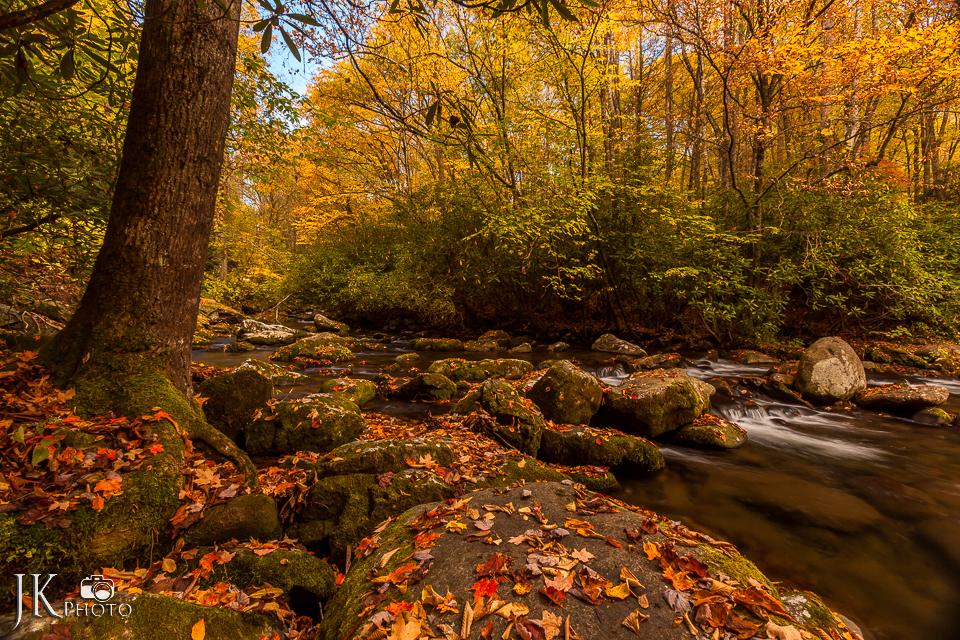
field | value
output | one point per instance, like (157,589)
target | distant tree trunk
(853,124)
(828,38)
(727,142)
(127,348)
(668,106)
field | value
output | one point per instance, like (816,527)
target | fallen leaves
(633,621)
(483,588)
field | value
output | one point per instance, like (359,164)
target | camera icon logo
(96,587)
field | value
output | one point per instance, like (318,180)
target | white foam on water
(773,427)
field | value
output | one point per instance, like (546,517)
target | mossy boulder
(323,323)
(654,402)
(152,617)
(202,338)
(711,432)
(567,395)
(558,346)
(233,399)
(517,421)
(830,371)
(317,423)
(408,357)
(251,515)
(523,347)
(322,346)
(277,374)
(285,569)
(380,456)
(341,510)
(427,386)
(458,369)
(612,344)
(933,417)
(217,312)
(498,336)
(586,446)
(436,344)
(239,346)
(357,391)
(902,398)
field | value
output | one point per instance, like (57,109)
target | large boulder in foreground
(902,398)
(579,446)
(458,369)
(615,573)
(567,395)
(612,344)
(651,403)
(317,423)
(515,421)
(830,371)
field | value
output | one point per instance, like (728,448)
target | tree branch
(39,12)
(50,217)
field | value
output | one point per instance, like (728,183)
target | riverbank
(806,529)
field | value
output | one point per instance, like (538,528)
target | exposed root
(226,447)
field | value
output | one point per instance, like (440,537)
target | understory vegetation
(769,173)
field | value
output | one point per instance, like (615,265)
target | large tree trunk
(144,292)
(127,348)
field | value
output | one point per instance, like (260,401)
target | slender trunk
(144,291)
(725,154)
(825,91)
(668,106)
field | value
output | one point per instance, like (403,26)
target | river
(858,507)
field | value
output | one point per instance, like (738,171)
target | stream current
(859,507)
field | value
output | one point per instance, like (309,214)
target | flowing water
(861,508)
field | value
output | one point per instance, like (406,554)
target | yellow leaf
(619,592)
(199,631)
(169,565)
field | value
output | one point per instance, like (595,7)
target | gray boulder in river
(611,343)
(830,371)
(902,398)
(567,395)
(650,403)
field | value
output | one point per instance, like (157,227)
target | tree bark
(144,291)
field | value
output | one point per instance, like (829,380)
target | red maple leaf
(485,587)
(396,607)
(555,595)
(425,540)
